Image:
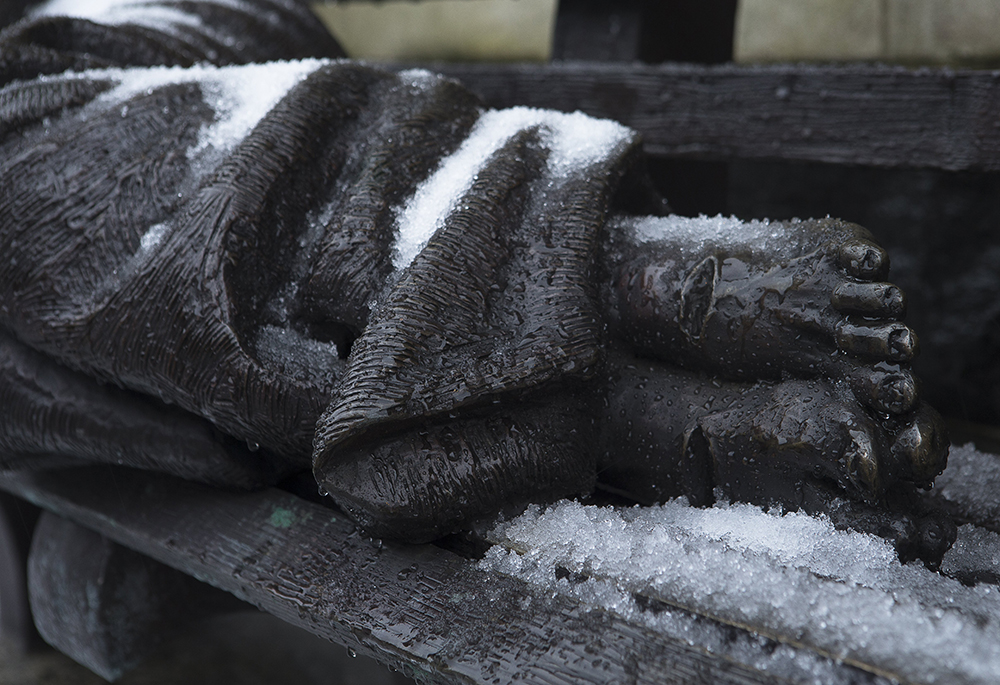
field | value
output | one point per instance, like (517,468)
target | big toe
(920,450)
(863,259)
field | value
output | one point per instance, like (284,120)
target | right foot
(804,299)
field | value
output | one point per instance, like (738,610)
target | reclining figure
(231,273)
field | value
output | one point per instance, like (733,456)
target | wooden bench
(434,613)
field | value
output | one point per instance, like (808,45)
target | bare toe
(893,341)
(864,259)
(920,451)
(861,459)
(886,388)
(883,300)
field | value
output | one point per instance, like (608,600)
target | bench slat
(858,114)
(421,609)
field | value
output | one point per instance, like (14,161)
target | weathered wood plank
(871,115)
(106,606)
(15,617)
(418,608)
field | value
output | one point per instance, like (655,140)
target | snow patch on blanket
(791,575)
(152,238)
(573,140)
(146,13)
(240,95)
(419,78)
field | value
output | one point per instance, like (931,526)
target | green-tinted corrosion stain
(282,518)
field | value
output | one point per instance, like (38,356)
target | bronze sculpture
(549,331)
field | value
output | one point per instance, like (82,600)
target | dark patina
(535,347)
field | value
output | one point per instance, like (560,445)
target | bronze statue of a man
(231,271)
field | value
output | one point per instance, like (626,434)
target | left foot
(669,432)
(808,428)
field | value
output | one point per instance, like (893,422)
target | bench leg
(106,606)
(17,519)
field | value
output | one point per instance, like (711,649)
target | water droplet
(406,572)
(351,653)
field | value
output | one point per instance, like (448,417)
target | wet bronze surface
(483,377)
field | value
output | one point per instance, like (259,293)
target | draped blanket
(311,255)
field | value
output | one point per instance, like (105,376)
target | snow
(573,140)
(243,95)
(970,485)
(240,95)
(972,481)
(794,577)
(975,555)
(153,237)
(292,354)
(693,235)
(162,15)
(419,78)
(114,12)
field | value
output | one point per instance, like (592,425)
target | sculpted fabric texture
(440,309)
(177,234)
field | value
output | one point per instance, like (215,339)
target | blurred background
(915,32)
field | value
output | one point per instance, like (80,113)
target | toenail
(920,451)
(862,465)
(864,260)
(896,394)
(698,297)
(902,344)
